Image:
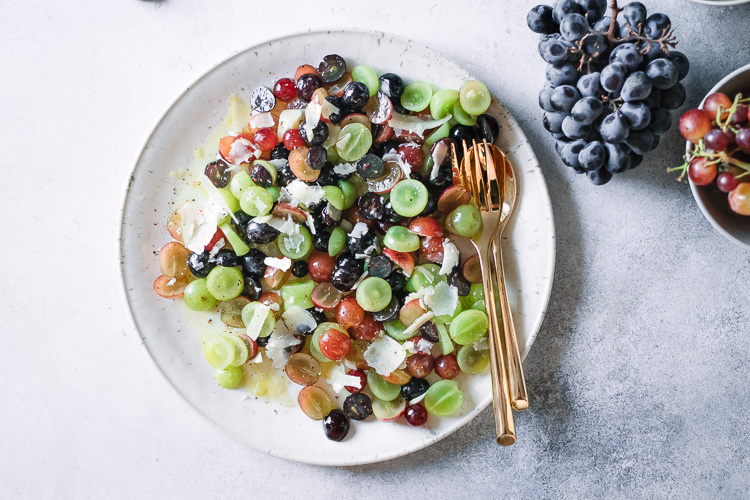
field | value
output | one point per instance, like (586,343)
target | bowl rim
(693,188)
(721,3)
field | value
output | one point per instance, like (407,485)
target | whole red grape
(694,124)
(700,172)
(743,139)
(740,115)
(739,199)
(716,140)
(712,104)
(726,182)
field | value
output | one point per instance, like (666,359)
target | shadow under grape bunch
(613,79)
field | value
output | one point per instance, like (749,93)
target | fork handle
(505,431)
(519,398)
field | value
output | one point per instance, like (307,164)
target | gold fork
(486,194)
(517,383)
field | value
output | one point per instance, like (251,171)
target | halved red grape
(284,89)
(321,266)
(446,366)
(416,415)
(326,296)
(349,313)
(265,138)
(335,344)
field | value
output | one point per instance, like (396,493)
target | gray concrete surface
(639,376)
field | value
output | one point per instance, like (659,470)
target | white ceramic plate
(174,342)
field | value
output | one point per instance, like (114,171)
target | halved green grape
(381,388)
(474,97)
(476,292)
(395,330)
(473,361)
(443,398)
(350,194)
(230,377)
(220,351)
(388,410)
(416,96)
(225,283)
(446,344)
(231,311)
(462,116)
(238,244)
(275,192)
(335,196)
(266,327)
(441,104)
(480,305)
(425,275)
(366,75)
(400,239)
(197,297)
(256,201)
(469,327)
(315,342)
(354,141)
(297,245)
(442,132)
(409,197)
(464,221)
(374,294)
(239,183)
(298,294)
(242,351)
(336,242)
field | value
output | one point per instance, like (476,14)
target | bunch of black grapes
(611,83)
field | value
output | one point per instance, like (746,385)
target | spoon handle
(516,381)
(505,431)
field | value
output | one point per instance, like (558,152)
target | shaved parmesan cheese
(345,169)
(288,226)
(424,346)
(360,280)
(359,230)
(418,399)
(260,314)
(310,223)
(312,118)
(283,263)
(415,124)
(444,301)
(328,108)
(241,151)
(280,339)
(420,295)
(438,156)
(275,307)
(261,120)
(451,257)
(385,355)
(198,225)
(338,379)
(289,119)
(262,219)
(215,196)
(417,324)
(304,193)
(217,246)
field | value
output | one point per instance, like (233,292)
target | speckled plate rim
(406,450)
(695,189)
(721,3)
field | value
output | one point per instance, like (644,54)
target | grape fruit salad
(720,153)
(611,82)
(321,237)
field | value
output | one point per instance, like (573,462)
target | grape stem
(613,21)
(714,157)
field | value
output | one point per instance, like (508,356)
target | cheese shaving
(283,263)
(417,324)
(260,314)
(261,120)
(444,300)
(338,379)
(276,349)
(312,118)
(344,169)
(385,355)
(304,193)
(451,257)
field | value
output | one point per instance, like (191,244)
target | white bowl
(712,202)
(721,3)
